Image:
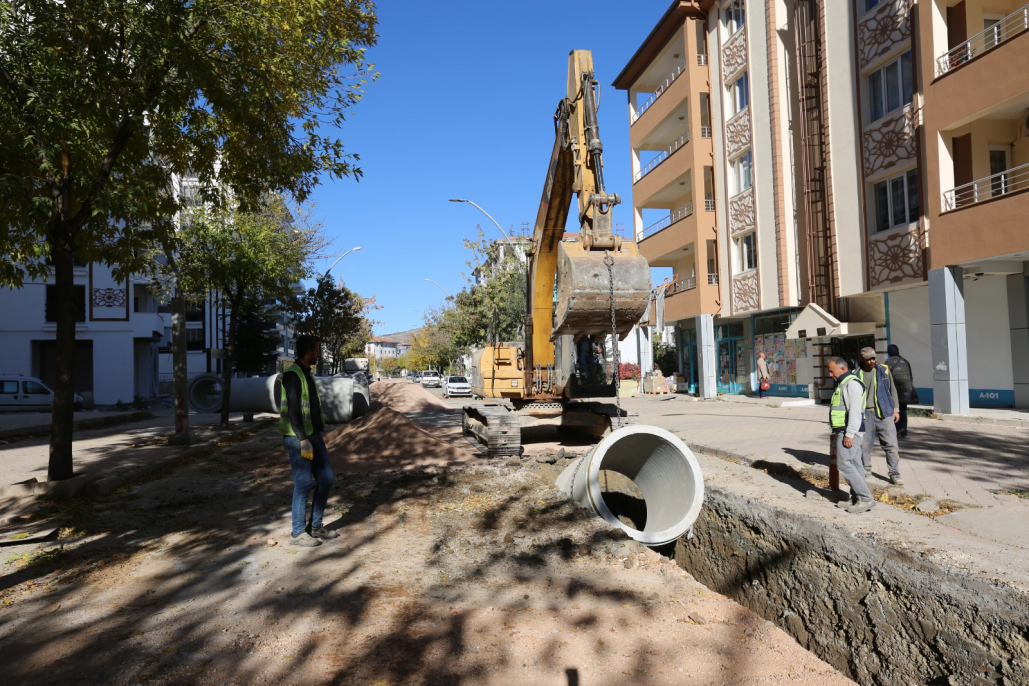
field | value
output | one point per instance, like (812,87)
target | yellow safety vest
(837,410)
(285,426)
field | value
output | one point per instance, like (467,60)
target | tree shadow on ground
(201,536)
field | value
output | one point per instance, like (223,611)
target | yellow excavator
(585,292)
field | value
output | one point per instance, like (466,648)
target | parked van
(431,378)
(20,393)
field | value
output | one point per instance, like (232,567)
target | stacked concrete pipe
(264,395)
(662,467)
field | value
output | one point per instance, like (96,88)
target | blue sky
(464,108)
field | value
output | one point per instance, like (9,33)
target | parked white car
(430,378)
(27,394)
(455,386)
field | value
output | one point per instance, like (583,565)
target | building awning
(814,322)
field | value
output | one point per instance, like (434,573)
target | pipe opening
(205,393)
(624,498)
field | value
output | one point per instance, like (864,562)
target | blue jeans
(308,475)
(902,425)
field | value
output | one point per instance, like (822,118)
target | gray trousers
(848,462)
(886,430)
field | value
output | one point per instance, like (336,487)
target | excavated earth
(450,569)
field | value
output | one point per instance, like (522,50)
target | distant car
(456,385)
(27,394)
(432,379)
(412,377)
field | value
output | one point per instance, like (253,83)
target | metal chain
(610,262)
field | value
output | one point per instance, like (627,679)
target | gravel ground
(475,573)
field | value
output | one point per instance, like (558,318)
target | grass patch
(927,414)
(1018,493)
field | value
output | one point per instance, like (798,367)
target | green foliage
(338,316)
(256,338)
(664,358)
(494,308)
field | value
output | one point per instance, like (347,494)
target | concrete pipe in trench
(662,467)
(264,395)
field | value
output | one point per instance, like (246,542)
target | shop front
(688,357)
(789,362)
(732,373)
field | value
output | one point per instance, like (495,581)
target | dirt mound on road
(404,396)
(386,439)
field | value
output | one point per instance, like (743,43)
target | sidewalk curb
(973,419)
(80,425)
(103,486)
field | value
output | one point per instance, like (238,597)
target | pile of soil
(404,396)
(385,439)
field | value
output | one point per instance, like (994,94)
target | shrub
(628,371)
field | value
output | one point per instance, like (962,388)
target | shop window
(890,87)
(896,201)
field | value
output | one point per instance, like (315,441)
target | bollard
(834,472)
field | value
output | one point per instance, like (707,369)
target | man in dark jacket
(904,380)
(300,424)
(881,413)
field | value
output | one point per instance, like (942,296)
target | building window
(735,16)
(869,4)
(80,303)
(743,172)
(739,94)
(746,252)
(194,339)
(889,87)
(896,201)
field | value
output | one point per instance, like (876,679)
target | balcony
(702,60)
(1003,30)
(662,156)
(681,286)
(987,188)
(658,92)
(681,213)
(709,204)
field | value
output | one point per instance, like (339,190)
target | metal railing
(1008,181)
(687,284)
(1008,27)
(709,204)
(702,60)
(705,131)
(712,279)
(658,92)
(663,223)
(662,156)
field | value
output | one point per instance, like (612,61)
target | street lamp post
(439,287)
(338,259)
(485,213)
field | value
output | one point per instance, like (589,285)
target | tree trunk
(228,362)
(180,368)
(62,253)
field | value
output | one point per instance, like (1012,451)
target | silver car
(456,385)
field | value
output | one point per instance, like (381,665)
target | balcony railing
(658,92)
(705,131)
(681,285)
(1008,27)
(663,223)
(709,204)
(702,60)
(712,279)
(1009,181)
(662,156)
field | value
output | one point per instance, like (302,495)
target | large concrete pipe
(362,393)
(264,395)
(662,467)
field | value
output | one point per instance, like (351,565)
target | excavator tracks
(496,427)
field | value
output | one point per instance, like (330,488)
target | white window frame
(889,184)
(734,17)
(742,172)
(746,255)
(737,105)
(878,80)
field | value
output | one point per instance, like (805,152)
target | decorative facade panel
(883,29)
(745,295)
(734,54)
(737,132)
(895,257)
(741,212)
(891,143)
(109,297)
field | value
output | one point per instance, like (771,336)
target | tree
(257,338)
(338,316)
(103,101)
(247,256)
(389,365)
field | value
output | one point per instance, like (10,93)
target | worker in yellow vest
(882,412)
(847,422)
(300,423)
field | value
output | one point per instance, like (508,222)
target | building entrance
(732,363)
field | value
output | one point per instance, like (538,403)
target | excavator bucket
(586,285)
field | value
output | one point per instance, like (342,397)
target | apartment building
(673,191)
(845,210)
